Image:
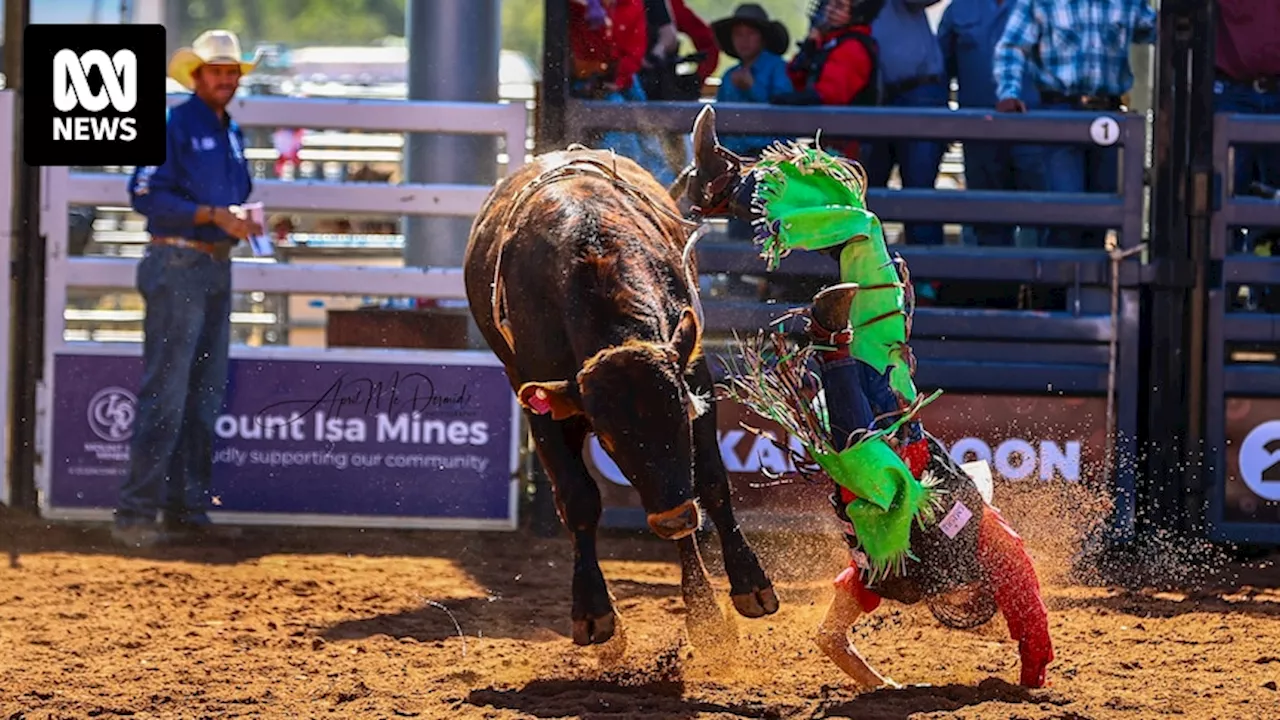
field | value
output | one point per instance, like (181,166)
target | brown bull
(575,277)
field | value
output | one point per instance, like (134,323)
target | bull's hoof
(594,630)
(757,603)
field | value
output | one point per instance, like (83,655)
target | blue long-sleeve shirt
(205,166)
(768,80)
(968,34)
(1074,47)
(908,48)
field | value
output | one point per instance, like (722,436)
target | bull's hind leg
(750,588)
(559,446)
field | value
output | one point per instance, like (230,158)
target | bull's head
(637,399)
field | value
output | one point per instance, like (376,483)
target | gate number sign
(1105,131)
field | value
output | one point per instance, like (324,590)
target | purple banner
(431,441)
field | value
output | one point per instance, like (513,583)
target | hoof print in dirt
(756,604)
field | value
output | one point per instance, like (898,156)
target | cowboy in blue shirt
(968,35)
(185,280)
(758,42)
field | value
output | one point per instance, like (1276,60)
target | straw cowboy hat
(215,47)
(776,37)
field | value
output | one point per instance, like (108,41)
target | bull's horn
(704,132)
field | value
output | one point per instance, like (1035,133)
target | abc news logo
(71,92)
(94,98)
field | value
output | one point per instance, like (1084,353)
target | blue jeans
(1260,163)
(856,395)
(917,160)
(187,338)
(1000,166)
(1080,169)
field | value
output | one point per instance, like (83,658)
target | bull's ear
(558,398)
(687,339)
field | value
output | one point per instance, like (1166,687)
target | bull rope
(606,171)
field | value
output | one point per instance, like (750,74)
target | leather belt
(1081,102)
(217,250)
(910,84)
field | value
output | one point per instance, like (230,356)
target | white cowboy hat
(215,47)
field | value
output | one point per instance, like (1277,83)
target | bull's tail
(498,303)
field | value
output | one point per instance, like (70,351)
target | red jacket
(620,44)
(846,72)
(704,40)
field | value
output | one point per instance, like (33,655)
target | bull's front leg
(559,446)
(709,629)
(749,587)
(851,601)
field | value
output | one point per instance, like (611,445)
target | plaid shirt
(1075,47)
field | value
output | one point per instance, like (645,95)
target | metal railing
(1242,385)
(9,160)
(62,189)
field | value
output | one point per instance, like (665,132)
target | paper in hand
(261,244)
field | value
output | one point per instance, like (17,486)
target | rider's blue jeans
(856,395)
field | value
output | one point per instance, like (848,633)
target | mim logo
(95,95)
(71,92)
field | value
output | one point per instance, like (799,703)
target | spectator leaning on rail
(666,20)
(760,76)
(607,42)
(968,35)
(659,76)
(185,280)
(1078,52)
(1248,82)
(912,73)
(838,62)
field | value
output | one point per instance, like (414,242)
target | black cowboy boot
(828,323)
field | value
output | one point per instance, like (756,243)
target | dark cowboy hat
(776,37)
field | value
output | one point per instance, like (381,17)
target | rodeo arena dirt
(452,625)
(880,580)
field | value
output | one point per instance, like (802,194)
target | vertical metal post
(454,50)
(28,276)
(454,55)
(555,75)
(176,19)
(1174,322)
(1199,188)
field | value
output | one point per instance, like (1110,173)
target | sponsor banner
(1023,438)
(421,444)
(1252,486)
